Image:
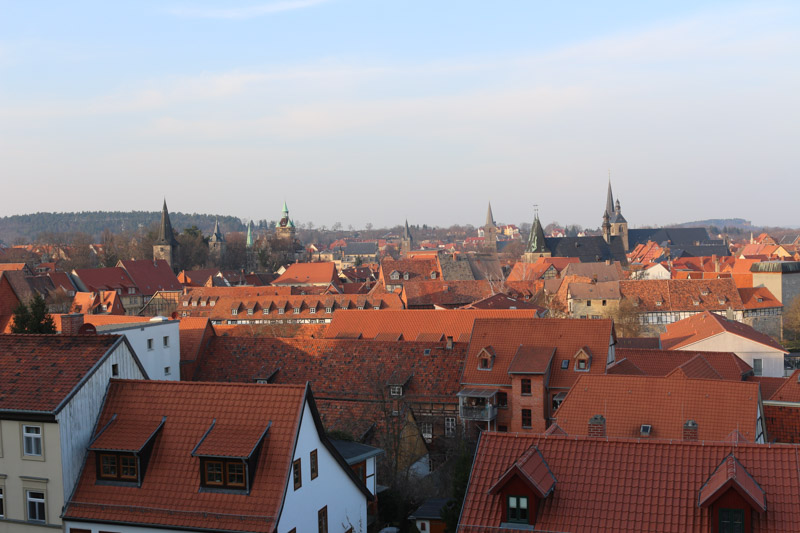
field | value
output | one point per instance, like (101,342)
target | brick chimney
(690,430)
(716,262)
(70,324)
(597,426)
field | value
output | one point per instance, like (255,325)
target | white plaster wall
(156,360)
(744,348)
(14,466)
(97,528)
(347,505)
(372,477)
(77,419)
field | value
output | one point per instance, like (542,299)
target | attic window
(704,292)
(721,301)
(696,302)
(433,275)
(228,473)
(329,310)
(645,430)
(405,276)
(297,310)
(203,303)
(396,275)
(485,359)
(194,303)
(250,311)
(312,310)
(659,302)
(761,299)
(583,361)
(517,509)
(396,391)
(212,303)
(565,364)
(280,310)
(118,466)
(234,312)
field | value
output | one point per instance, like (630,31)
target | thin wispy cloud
(248,12)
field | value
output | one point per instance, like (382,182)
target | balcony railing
(485,413)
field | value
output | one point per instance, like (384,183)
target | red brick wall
(535,402)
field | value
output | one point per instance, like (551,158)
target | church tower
(537,247)
(617,225)
(285,228)
(490,232)
(166,244)
(407,242)
(216,244)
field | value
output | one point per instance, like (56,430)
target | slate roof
(665,403)
(39,372)
(361,248)
(151,276)
(169,495)
(431,509)
(674,237)
(705,325)
(587,249)
(620,485)
(411,322)
(567,336)
(453,269)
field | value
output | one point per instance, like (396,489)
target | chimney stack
(716,262)
(597,426)
(70,324)
(690,430)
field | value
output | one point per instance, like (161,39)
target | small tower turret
(537,247)
(407,242)
(216,243)
(490,231)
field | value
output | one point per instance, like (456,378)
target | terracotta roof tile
(151,276)
(308,274)
(730,472)
(704,325)
(567,336)
(620,485)
(37,372)
(169,495)
(664,403)
(769,386)
(727,365)
(126,434)
(531,360)
(411,322)
(663,295)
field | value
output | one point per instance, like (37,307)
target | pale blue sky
(373,111)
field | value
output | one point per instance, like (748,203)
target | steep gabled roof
(705,325)
(151,276)
(39,372)
(411,322)
(664,403)
(308,273)
(109,278)
(567,336)
(726,365)
(620,485)
(169,495)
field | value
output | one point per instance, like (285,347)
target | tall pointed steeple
(536,244)
(217,235)
(249,240)
(165,234)
(609,199)
(489,216)
(407,242)
(407,231)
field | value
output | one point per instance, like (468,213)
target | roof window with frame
(228,457)
(122,450)
(486,358)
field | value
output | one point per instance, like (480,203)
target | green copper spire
(249,241)
(536,241)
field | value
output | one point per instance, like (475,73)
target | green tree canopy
(33,318)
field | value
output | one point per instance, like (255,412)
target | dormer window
(360,307)
(486,358)
(203,303)
(280,310)
(704,292)
(312,310)
(433,275)
(329,310)
(658,303)
(194,303)
(696,302)
(118,463)
(226,466)
(761,300)
(297,310)
(583,360)
(396,391)
(234,312)
(517,509)
(250,311)
(396,275)
(212,303)
(405,276)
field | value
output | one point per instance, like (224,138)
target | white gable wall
(77,419)
(347,505)
(772,359)
(159,357)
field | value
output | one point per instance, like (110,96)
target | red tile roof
(662,295)
(418,269)
(151,276)
(110,278)
(789,391)
(308,273)
(411,322)
(38,372)
(169,494)
(705,325)
(665,403)
(731,473)
(567,336)
(758,298)
(445,293)
(532,271)
(769,386)
(126,434)
(727,365)
(621,485)
(504,301)
(531,360)
(783,422)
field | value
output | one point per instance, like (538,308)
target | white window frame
(32,438)
(131,290)
(297,310)
(280,310)
(426,428)
(234,312)
(312,310)
(396,391)
(29,498)
(329,310)
(449,426)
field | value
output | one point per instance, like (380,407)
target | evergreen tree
(33,318)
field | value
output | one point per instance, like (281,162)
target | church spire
(165,234)
(217,235)
(249,239)
(536,244)
(489,216)
(407,232)
(609,198)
